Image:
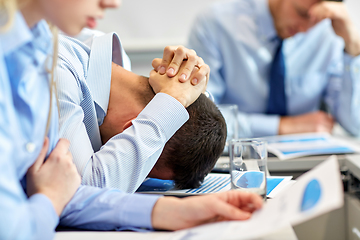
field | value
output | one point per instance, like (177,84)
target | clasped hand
(183,80)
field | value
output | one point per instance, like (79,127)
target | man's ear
(128,124)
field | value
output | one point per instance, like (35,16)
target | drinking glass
(248,159)
(230,111)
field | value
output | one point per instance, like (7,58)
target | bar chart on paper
(214,182)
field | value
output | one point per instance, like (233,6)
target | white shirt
(84,86)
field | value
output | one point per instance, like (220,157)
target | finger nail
(157,69)
(195,81)
(162,70)
(170,71)
(183,76)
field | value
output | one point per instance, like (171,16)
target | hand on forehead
(327,9)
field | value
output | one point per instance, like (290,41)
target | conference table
(297,166)
(330,226)
(284,234)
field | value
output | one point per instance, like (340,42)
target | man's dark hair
(193,150)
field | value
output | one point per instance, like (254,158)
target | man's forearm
(352,45)
(143,143)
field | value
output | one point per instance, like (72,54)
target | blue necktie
(277,99)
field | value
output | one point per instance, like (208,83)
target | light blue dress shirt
(22,129)
(24,107)
(84,78)
(237,39)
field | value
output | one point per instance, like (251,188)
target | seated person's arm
(125,160)
(109,209)
(317,121)
(192,151)
(342,24)
(343,94)
(178,213)
(107,167)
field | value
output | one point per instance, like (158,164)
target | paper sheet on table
(215,182)
(314,193)
(307,144)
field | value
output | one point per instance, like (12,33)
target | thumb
(156,63)
(40,159)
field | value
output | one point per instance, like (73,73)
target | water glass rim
(248,141)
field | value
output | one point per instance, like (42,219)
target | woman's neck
(31,12)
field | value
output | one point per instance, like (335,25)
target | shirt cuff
(44,208)
(172,115)
(264,125)
(136,211)
(352,64)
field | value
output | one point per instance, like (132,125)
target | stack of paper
(299,145)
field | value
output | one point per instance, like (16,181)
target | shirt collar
(265,20)
(18,35)
(42,37)
(104,50)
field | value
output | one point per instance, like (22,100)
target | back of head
(193,150)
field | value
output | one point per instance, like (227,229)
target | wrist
(58,206)
(352,44)
(353,49)
(181,100)
(163,213)
(283,125)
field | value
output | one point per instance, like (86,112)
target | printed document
(314,193)
(307,144)
(213,182)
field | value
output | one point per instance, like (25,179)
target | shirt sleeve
(35,216)
(258,125)
(203,40)
(343,93)
(127,158)
(21,217)
(254,125)
(108,209)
